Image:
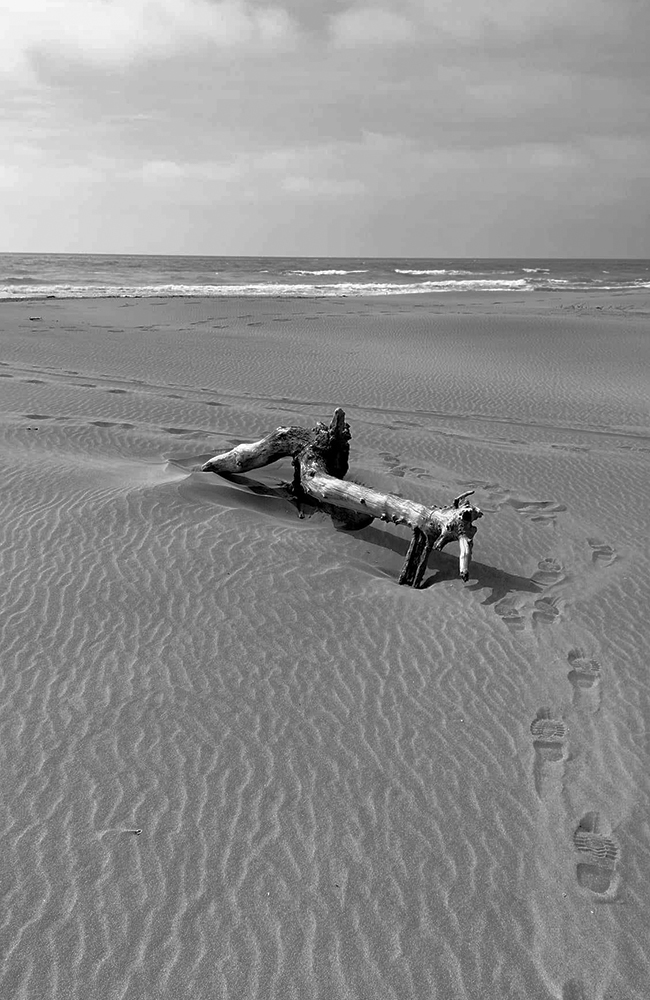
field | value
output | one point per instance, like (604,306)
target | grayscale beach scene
(261,742)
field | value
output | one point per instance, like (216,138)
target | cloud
(115,33)
(166,173)
(323,122)
(311,173)
(439,23)
(320,187)
(372,26)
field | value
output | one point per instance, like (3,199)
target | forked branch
(320,457)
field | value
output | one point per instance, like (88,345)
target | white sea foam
(442,270)
(259,289)
(310,289)
(329,270)
(536,270)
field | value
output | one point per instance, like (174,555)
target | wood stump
(320,461)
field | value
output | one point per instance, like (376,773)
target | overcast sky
(325,127)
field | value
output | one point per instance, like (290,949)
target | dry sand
(238,761)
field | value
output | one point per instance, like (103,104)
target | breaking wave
(329,270)
(443,270)
(261,289)
(29,276)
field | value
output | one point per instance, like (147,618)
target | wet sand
(238,760)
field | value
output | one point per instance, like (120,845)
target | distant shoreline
(619,302)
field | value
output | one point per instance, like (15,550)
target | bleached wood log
(321,460)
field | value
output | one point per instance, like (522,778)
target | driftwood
(320,461)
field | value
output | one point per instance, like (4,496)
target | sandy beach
(238,760)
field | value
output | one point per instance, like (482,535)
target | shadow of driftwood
(500,583)
(265,495)
(444,566)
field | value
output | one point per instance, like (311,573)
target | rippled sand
(238,761)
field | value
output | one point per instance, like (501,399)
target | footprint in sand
(601,553)
(549,571)
(596,869)
(546,611)
(508,611)
(573,990)
(584,677)
(542,511)
(393,463)
(549,739)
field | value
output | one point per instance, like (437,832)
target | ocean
(31,276)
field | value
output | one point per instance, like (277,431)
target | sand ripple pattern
(237,760)
(305,826)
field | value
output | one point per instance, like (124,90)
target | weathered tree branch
(320,457)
